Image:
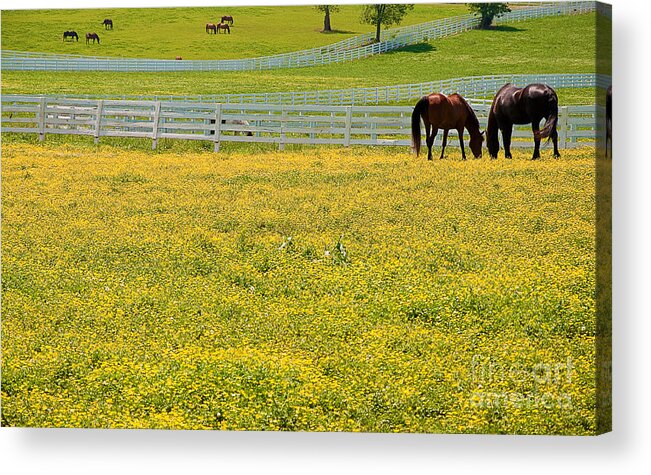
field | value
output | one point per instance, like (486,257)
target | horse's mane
(472,117)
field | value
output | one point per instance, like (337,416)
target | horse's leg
(507,130)
(431,135)
(463,150)
(535,127)
(445,142)
(555,142)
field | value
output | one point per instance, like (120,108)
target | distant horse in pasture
(609,119)
(227,18)
(211,27)
(178,58)
(445,112)
(70,34)
(225,27)
(234,122)
(528,105)
(92,36)
(108,24)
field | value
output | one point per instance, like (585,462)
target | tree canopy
(488,11)
(384,14)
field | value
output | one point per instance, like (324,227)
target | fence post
(283,118)
(41,119)
(563,126)
(154,142)
(98,120)
(349,117)
(218,127)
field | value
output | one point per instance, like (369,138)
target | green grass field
(526,47)
(170,32)
(286,291)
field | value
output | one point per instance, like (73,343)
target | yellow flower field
(330,289)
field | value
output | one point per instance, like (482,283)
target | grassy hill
(170,32)
(548,45)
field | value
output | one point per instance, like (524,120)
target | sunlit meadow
(320,289)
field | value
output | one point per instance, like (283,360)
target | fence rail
(257,123)
(350,49)
(477,88)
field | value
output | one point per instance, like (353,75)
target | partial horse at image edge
(609,119)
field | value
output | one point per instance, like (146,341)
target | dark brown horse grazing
(70,34)
(441,112)
(609,119)
(211,27)
(227,18)
(529,105)
(108,24)
(225,27)
(92,36)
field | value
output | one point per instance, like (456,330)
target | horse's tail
(550,125)
(492,139)
(419,110)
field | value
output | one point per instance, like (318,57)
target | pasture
(285,291)
(525,47)
(315,288)
(169,32)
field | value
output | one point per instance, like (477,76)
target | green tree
(384,14)
(488,11)
(327,10)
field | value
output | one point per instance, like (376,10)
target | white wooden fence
(347,50)
(474,87)
(305,124)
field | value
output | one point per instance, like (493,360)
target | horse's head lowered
(476,141)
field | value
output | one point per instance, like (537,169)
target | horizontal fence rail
(254,123)
(478,88)
(358,47)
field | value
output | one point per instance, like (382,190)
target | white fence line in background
(347,50)
(477,88)
(277,124)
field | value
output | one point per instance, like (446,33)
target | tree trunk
(326,20)
(486,22)
(378,25)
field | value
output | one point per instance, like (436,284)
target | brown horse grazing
(108,24)
(70,34)
(227,18)
(178,58)
(92,36)
(528,105)
(225,27)
(441,112)
(211,27)
(609,119)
